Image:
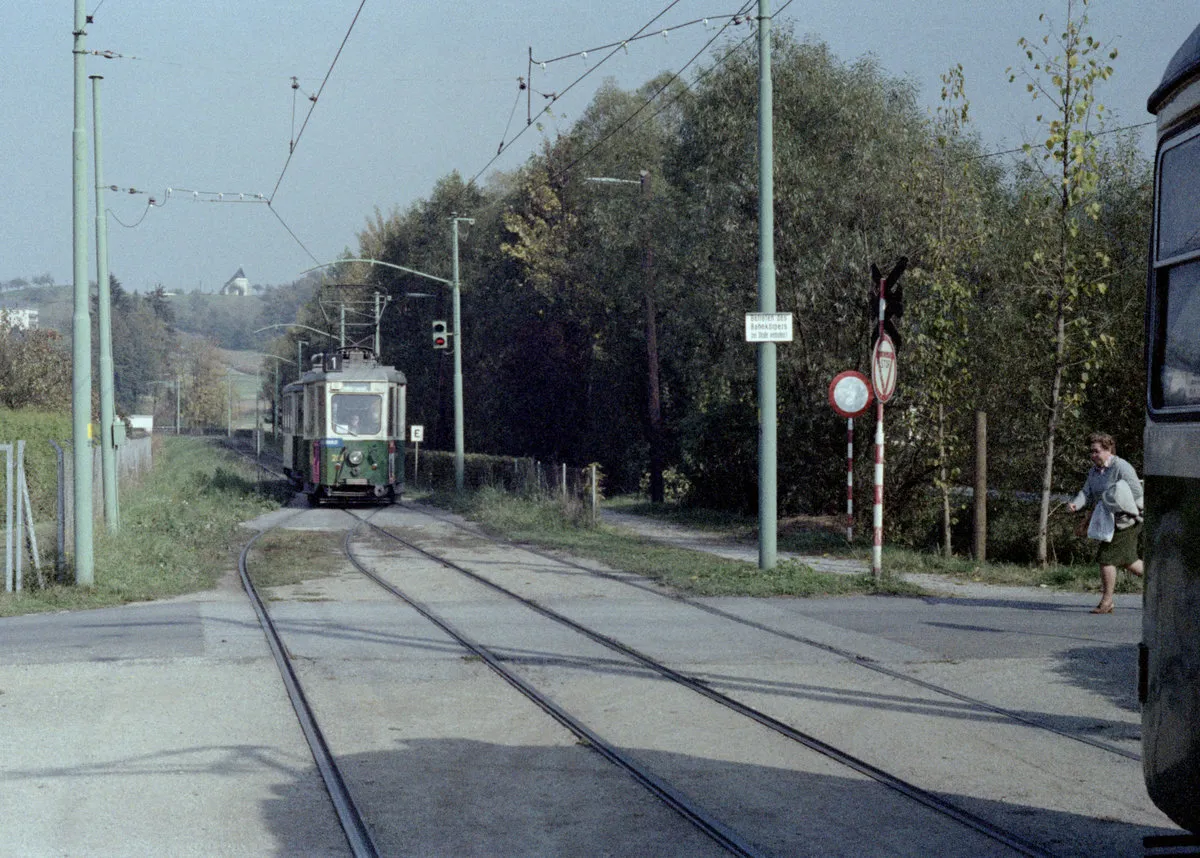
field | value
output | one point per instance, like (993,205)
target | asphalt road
(163,729)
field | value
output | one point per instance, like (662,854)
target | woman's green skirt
(1123,549)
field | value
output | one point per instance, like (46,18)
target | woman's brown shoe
(1102,609)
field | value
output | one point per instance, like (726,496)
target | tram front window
(357,413)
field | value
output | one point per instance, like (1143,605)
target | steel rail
(909,790)
(357,834)
(862,661)
(658,787)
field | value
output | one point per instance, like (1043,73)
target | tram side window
(1176,371)
(1178,190)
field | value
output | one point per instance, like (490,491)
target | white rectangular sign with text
(768,327)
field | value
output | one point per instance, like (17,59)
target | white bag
(1103,525)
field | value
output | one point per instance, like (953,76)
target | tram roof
(1183,66)
(372,373)
(354,365)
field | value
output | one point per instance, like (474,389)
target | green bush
(1012,529)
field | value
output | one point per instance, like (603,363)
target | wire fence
(523,476)
(38,493)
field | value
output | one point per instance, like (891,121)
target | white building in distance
(20,319)
(237,284)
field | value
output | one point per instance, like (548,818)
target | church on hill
(237,284)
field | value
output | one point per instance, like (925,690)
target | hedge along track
(862,661)
(714,829)
(357,834)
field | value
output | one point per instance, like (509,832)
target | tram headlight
(355,457)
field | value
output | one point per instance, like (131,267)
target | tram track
(892,782)
(358,836)
(858,659)
(660,788)
(664,791)
(350,816)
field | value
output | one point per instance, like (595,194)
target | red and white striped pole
(877,547)
(877,511)
(849,479)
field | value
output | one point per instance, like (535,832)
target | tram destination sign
(768,327)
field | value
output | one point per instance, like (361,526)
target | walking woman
(1114,489)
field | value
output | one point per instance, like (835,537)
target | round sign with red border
(850,393)
(883,368)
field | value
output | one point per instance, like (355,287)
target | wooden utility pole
(980,546)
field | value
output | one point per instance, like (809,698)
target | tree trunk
(980,486)
(654,404)
(1060,342)
(947,545)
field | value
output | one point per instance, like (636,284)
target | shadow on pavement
(456,797)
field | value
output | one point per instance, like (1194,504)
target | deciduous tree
(1060,196)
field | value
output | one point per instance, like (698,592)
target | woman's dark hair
(1106,442)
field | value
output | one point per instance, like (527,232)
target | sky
(199,97)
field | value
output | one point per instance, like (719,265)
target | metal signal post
(883,383)
(850,395)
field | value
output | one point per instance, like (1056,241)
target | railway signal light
(441,339)
(893,298)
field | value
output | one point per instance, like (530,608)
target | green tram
(343,428)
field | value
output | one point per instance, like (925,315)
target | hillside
(229,321)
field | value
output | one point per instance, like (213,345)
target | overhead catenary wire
(290,232)
(197,196)
(512,113)
(295,141)
(1021,149)
(612,133)
(703,74)
(220,196)
(136,223)
(621,44)
(505,146)
(314,99)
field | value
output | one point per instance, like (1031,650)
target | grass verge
(1076,579)
(179,533)
(548,524)
(289,557)
(816,537)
